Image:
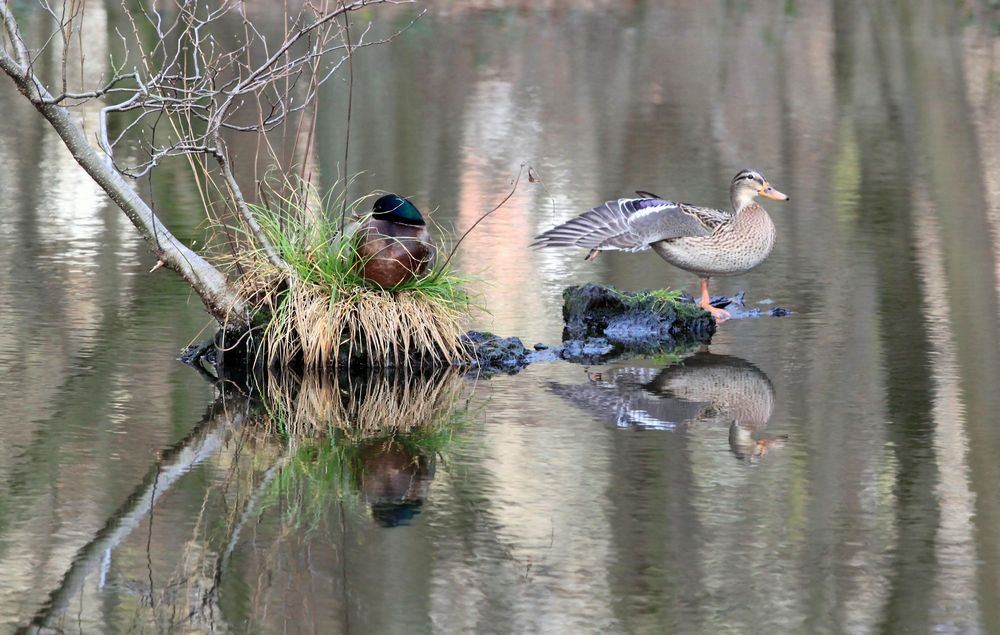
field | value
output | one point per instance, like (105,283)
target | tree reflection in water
(297,471)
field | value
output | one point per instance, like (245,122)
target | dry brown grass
(359,324)
(373,404)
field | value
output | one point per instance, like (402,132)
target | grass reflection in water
(369,438)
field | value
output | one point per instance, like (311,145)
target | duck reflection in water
(704,388)
(394,481)
(376,434)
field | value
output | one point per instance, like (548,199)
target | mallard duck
(707,242)
(393,244)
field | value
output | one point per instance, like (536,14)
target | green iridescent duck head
(397,209)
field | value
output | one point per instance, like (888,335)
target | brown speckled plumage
(737,390)
(737,245)
(705,241)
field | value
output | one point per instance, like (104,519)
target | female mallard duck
(707,242)
(393,244)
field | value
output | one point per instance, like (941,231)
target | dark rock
(227,358)
(633,321)
(498,354)
(198,352)
(541,347)
(546,355)
(736,305)
(589,350)
(718,301)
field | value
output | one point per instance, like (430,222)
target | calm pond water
(833,471)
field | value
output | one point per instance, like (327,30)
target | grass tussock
(320,309)
(661,300)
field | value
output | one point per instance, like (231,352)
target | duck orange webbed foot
(720,315)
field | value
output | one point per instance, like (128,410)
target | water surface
(833,471)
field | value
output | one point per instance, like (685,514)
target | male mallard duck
(707,242)
(393,244)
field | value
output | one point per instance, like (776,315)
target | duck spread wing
(632,224)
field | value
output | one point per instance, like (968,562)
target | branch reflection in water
(285,497)
(702,389)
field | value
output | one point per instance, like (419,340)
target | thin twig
(350,102)
(21,57)
(503,202)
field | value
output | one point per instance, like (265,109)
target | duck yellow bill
(770,192)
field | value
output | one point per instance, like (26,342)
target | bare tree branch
(100,92)
(347,125)
(210,284)
(184,75)
(244,210)
(19,63)
(205,439)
